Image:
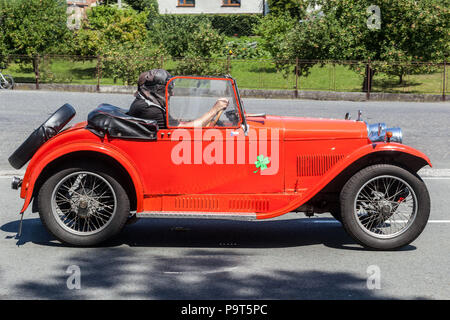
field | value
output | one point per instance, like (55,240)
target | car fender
(41,160)
(341,166)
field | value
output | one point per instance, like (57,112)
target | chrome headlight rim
(377,133)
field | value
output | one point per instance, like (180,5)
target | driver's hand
(221,104)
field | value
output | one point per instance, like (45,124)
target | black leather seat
(116,123)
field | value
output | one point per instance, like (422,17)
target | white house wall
(210,6)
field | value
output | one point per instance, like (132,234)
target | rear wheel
(83,206)
(384,207)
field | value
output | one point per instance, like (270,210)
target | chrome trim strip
(196,215)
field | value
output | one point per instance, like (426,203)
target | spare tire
(47,130)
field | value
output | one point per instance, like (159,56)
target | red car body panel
(312,152)
(73,140)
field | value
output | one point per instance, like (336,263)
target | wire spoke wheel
(385,206)
(83,203)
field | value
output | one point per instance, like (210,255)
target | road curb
(251,93)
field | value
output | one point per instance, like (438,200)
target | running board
(198,215)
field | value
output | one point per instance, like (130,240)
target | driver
(150,102)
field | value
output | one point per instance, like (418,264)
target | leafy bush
(29,27)
(108,27)
(120,37)
(174,32)
(173,29)
(3,52)
(144,5)
(235,24)
(196,66)
(192,41)
(3,49)
(127,61)
(294,8)
(150,7)
(410,31)
(273,31)
(245,48)
(203,51)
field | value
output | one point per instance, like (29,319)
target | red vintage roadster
(87,181)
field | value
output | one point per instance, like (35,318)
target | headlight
(397,134)
(377,133)
(372,129)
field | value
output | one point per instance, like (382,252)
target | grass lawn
(263,75)
(250,74)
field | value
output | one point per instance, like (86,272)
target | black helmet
(154,82)
(153,79)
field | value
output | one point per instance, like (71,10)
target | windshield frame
(241,122)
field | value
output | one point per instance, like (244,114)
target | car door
(204,163)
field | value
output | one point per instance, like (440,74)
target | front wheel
(6,82)
(384,207)
(83,206)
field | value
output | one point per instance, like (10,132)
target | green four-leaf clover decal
(261,163)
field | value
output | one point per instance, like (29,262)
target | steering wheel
(216,118)
(233,116)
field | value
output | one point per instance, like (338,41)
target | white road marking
(202,272)
(438,221)
(428,172)
(323,220)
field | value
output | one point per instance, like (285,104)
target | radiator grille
(316,165)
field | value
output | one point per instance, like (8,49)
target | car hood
(311,128)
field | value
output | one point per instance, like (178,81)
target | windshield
(190,97)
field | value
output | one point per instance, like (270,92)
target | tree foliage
(234,24)
(294,8)
(144,5)
(175,32)
(286,39)
(274,31)
(408,31)
(29,27)
(107,27)
(194,41)
(203,50)
(127,61)
(3,48)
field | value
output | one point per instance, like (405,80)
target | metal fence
(264,74)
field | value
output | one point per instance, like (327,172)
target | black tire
(9,84)
(414,226)
(68,235)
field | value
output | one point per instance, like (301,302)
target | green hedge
(229,24)
(235,24)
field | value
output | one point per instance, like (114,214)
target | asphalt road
(291,257)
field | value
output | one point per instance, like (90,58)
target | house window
(231,3)
(186,3)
